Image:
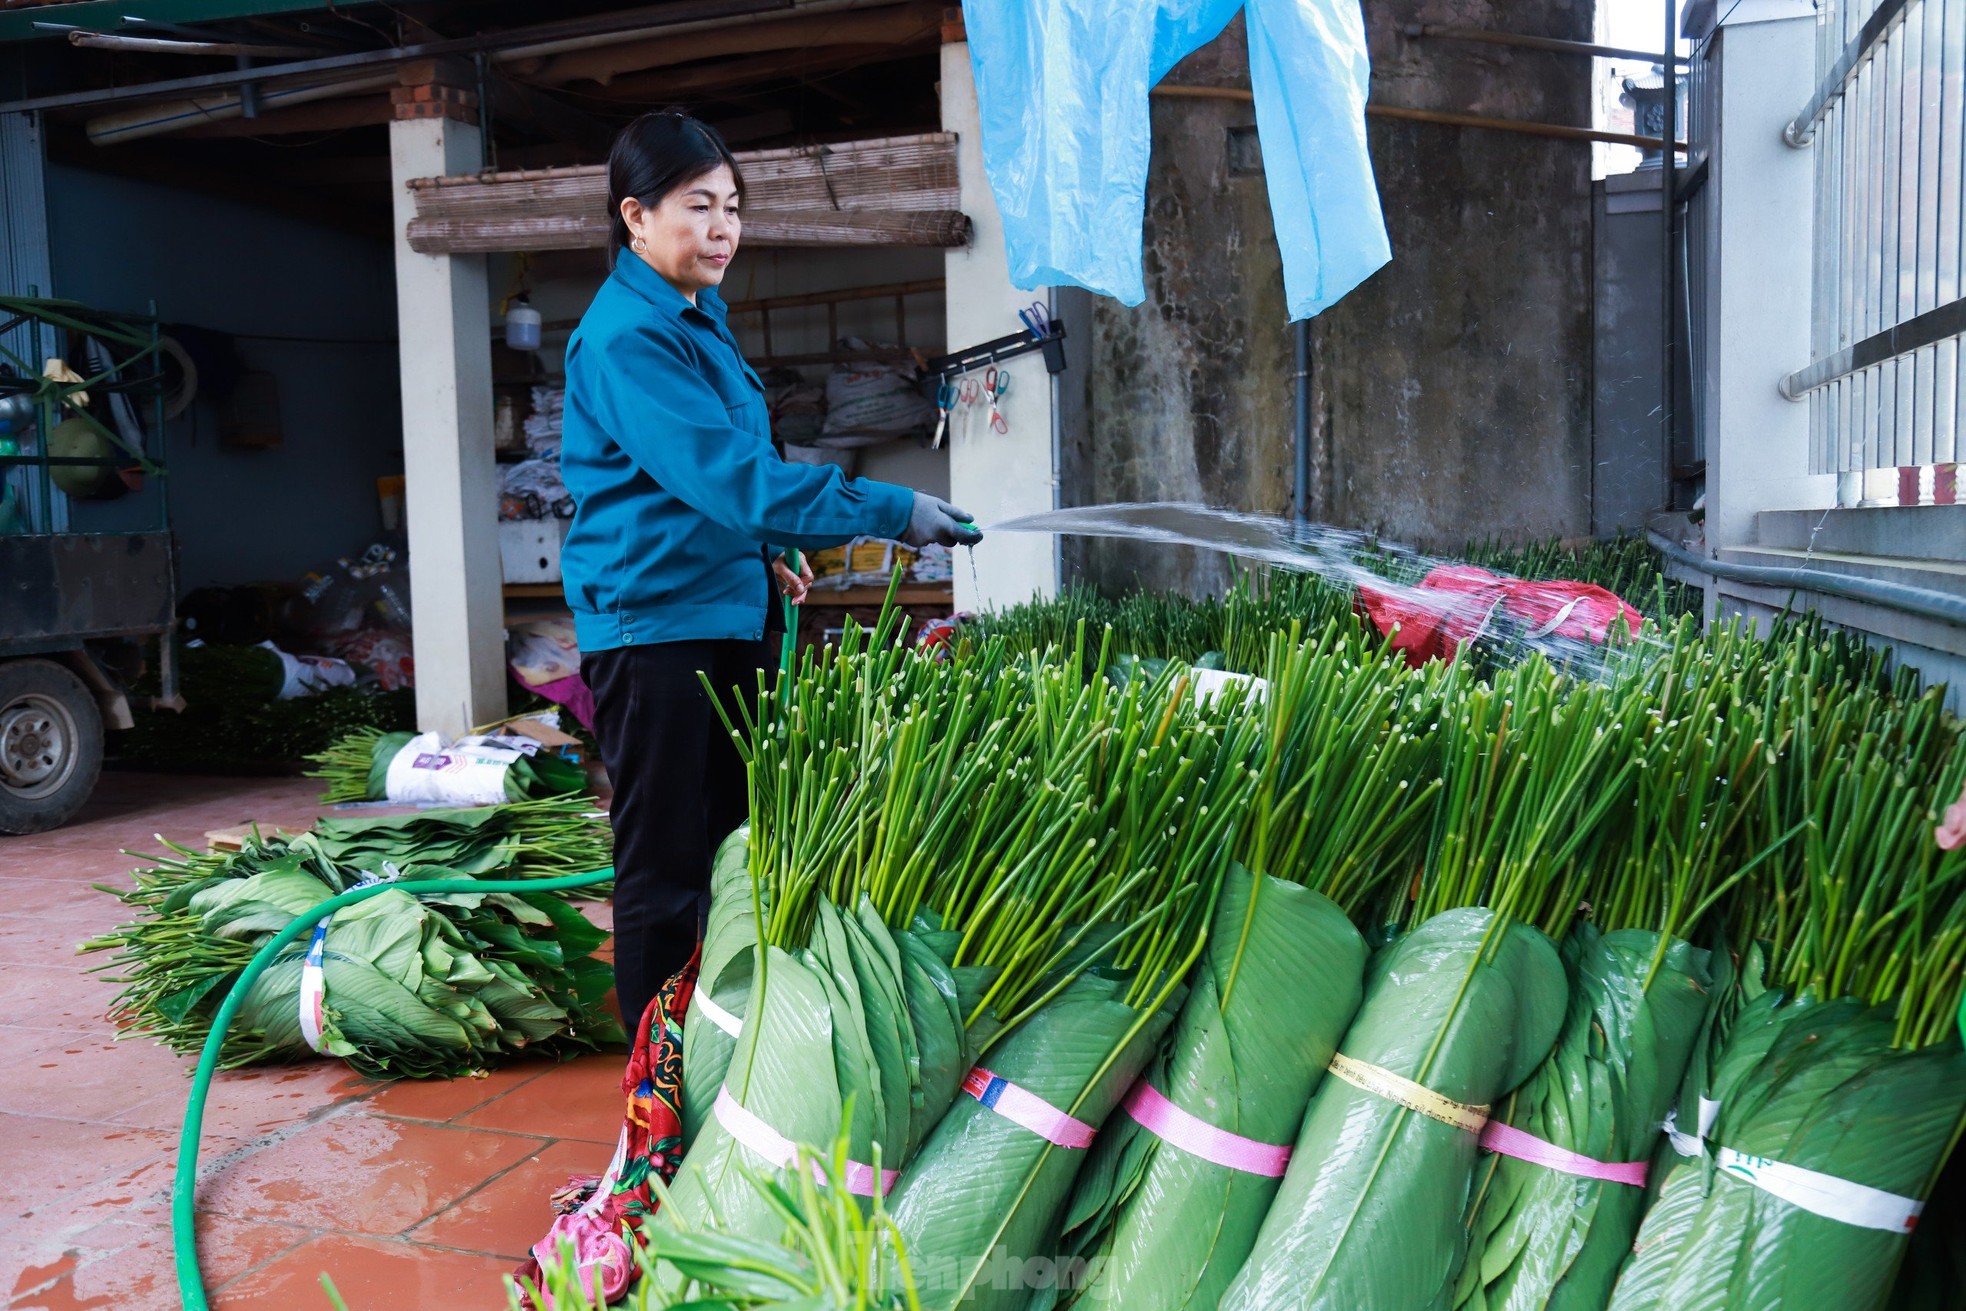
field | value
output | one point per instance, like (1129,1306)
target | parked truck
(79,610)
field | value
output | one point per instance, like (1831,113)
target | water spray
(1347,560)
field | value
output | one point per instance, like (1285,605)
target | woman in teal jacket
(677,493)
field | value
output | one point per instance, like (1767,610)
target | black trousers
(678,792)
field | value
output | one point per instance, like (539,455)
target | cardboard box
(529,549)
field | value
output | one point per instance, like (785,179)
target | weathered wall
(310,305)
(1190,392)
(1629,457)
(1453,389)
(1454,392)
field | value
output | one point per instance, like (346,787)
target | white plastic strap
(467,773)
(776,1149)
(313,970)
(1556,620)
(1692,1144)
(1208,682)
(1823,1194)
(716,1014)
(313,988)
(604,1187)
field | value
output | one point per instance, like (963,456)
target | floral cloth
(598,1215)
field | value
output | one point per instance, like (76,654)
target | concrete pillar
(443,318)
(1759,256)
(995,476)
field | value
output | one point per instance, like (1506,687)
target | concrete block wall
(1453,389)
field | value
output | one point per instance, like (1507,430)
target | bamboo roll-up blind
(898,191)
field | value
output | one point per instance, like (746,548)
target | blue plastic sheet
(1062,88)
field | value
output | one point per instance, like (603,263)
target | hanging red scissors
(995,383)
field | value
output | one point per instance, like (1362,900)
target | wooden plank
(321,116)
(748,159)
(922,286)
(936,229)
(838,598)
(907,173)
(890,192)
(943,229)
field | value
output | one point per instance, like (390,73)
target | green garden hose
(790,646)
(190,1282)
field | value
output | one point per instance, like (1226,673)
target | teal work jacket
(677,490)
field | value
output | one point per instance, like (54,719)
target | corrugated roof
(18,17)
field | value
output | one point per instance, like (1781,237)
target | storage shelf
(907,594)
(836,597)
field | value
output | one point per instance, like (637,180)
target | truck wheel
(50,745)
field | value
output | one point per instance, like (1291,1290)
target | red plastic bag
(1454,603)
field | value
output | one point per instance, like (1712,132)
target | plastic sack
(594,1209)
(304,675)
(1472,600)
(875,399)
(1062,87)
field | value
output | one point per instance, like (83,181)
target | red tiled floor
(87,1077)
(372,1275)
(251,1102)
(42,939)
(54,997)
(511,1213)
(56,1167)
(128,1264)
(581,1099)
(39,896)
(360,1173)
(303,1169)
(447,1099)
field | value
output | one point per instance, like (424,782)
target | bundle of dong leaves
(413,986)
(1355,986)
(833,1255)
(355,767)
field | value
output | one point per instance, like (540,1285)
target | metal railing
(1887,127)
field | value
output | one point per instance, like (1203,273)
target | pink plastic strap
(1510,1141)
(1027,1110)
(780,1151)
(1197,1137)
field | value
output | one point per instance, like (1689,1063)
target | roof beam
(669,84)
(902,25)
(600,27)
(514,104)
(321,116)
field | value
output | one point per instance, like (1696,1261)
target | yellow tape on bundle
(1403,1091)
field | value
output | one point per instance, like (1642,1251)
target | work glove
(938,523)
